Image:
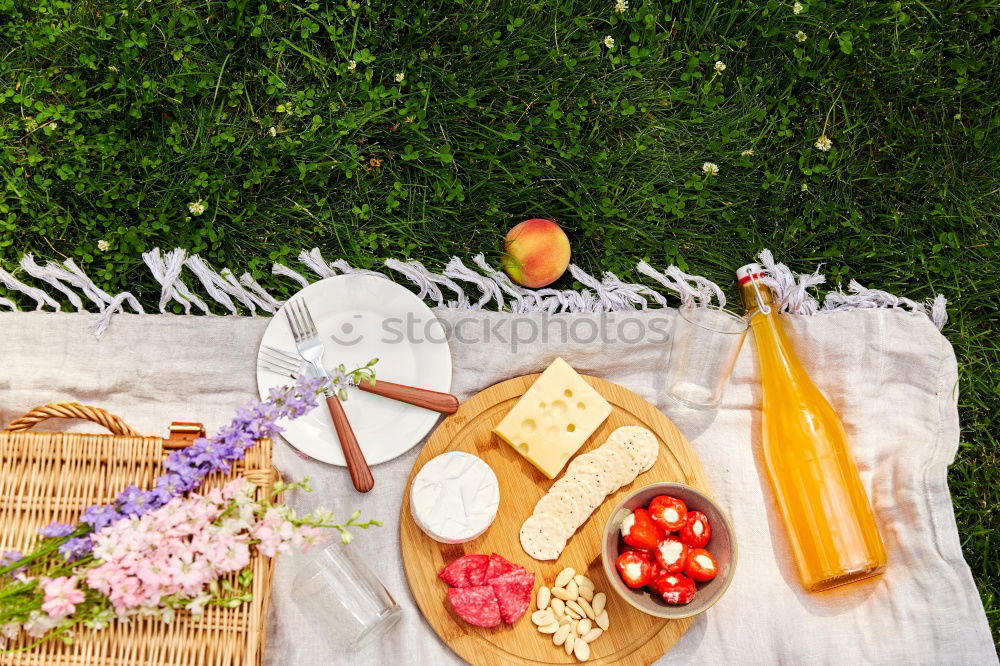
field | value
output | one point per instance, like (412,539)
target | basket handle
(72,410)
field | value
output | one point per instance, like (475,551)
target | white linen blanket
(889,373)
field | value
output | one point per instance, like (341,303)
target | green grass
(115,116)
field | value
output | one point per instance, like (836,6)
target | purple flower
(10,557)
(74,549)
(170,486)
(213,454)
(187,468)
(179,460)
(133,501)
(56,531)
(100,516)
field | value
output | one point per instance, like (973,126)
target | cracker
(619,463)
(564,505)
(622,440)
(543,536)
(588,482)
(598,466)
(579,493)
(647,445)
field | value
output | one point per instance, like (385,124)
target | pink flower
(234,556)
(311,536)
(153,572)
(128,594)
(102,578)
(61,596)
(177,550)
(189,573)
(268,539)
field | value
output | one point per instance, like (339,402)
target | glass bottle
(826,513)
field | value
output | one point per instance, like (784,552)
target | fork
(311,350)
(284,363)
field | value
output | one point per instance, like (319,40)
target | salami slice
(466,571)
(476,605)
(513,591)
(498,566)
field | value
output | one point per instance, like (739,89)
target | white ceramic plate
(360,317)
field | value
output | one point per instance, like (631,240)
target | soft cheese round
(454,497)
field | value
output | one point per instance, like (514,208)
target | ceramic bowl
(722,546)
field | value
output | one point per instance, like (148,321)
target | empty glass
(703,350)
(338,588)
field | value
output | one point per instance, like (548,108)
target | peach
(536,253)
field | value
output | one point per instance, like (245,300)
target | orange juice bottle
(823,505)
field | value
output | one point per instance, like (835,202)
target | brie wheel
(454,497)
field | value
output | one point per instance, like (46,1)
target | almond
(564,577)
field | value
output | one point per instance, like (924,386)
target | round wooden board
(634,638)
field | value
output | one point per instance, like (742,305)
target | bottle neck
(780,358)
(756,295)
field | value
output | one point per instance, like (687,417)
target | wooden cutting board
(633,638)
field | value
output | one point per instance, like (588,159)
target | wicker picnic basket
(53,477)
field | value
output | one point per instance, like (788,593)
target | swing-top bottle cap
(749,272)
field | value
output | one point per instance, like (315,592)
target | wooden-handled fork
(311,350)
(282,362)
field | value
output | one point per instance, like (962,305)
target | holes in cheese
(545,427)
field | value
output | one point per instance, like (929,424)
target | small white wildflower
(272,131)
(112,68)
(621,6)
(710,168)
(323,516)
(10,630)
(797,8)
(609,42)
(351,66)
(53,125)
(400,77)
(747,153)
(801,36)
(824,143)
(196,207)
(720,67)
(103,245)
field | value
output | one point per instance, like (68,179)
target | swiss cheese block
(553,418)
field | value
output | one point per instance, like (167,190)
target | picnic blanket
(889,373)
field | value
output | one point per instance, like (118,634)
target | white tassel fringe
(496,290)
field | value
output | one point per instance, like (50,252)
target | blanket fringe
(46,274)
(166,269)
(281,269)
(40,297)
(428,282)
(496,290)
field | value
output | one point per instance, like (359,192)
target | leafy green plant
(426,129)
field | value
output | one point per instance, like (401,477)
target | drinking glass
(703,350)
(337,587)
